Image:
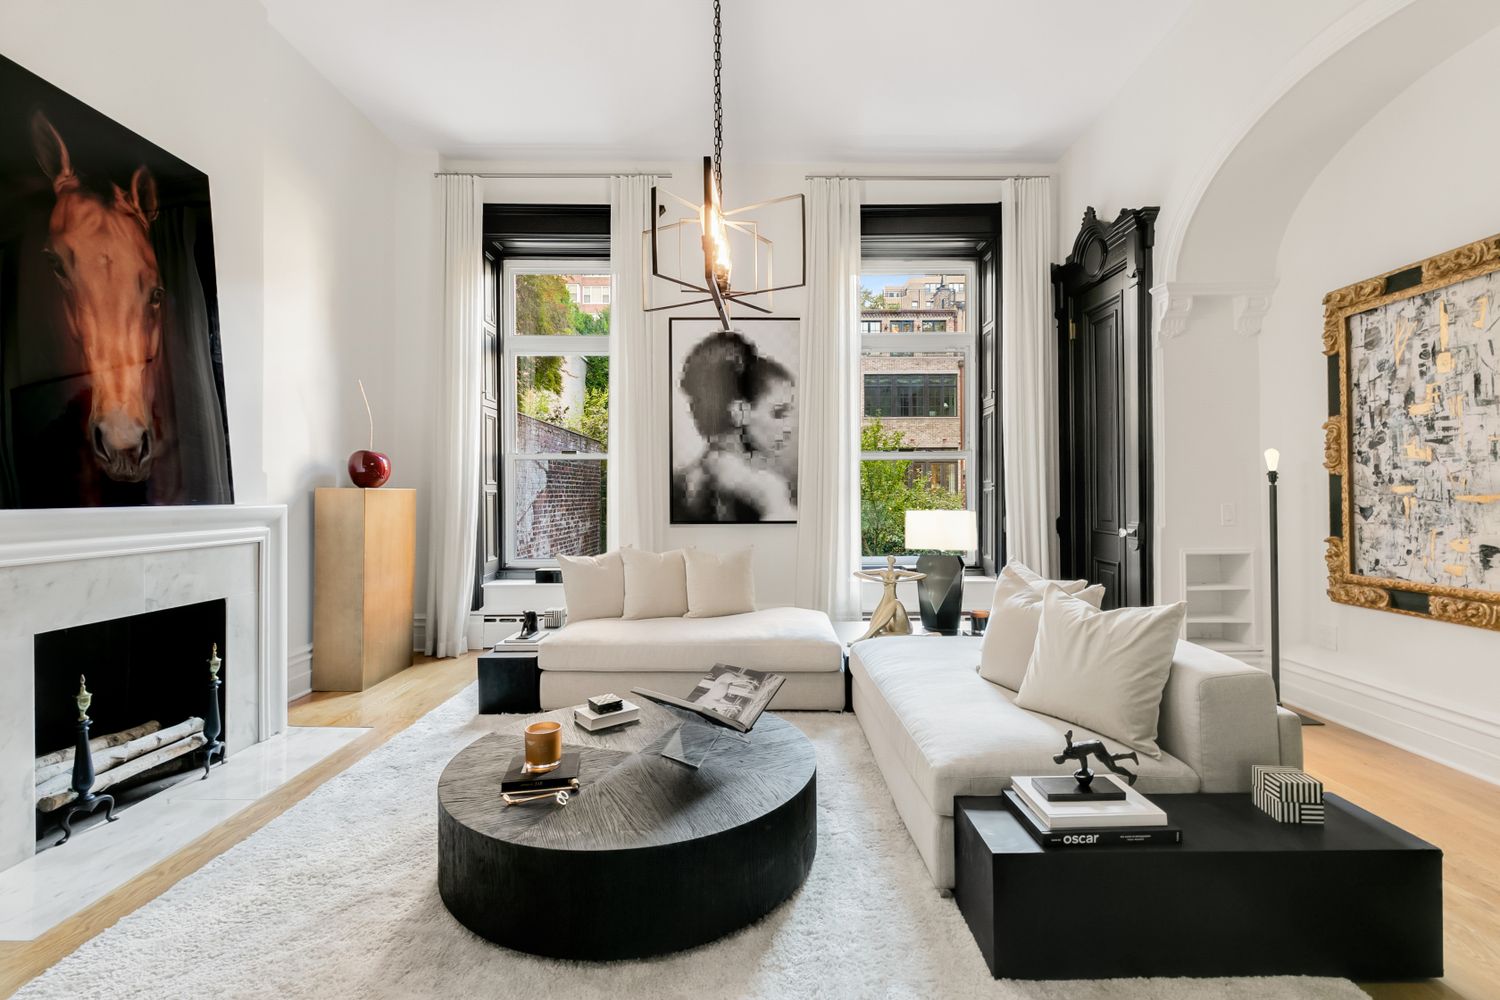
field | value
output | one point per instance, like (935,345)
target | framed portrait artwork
(111,374)
(734,421)
(1412,441)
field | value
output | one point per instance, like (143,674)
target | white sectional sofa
(672,654)
(937,729)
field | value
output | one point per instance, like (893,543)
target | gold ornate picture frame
(1412,440)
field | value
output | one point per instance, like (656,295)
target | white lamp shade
(1273,459)
(942,530)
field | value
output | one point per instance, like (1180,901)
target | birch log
(112,757)
(125,771)
(58,761)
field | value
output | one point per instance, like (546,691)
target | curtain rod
(923,177)
(550,174)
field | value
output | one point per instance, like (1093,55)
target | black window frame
(970,233)
(532,232)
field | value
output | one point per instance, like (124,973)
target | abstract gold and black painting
(1413,440)
(1425,394)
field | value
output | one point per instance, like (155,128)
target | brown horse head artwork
(99,247)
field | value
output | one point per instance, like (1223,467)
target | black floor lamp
(1273,459)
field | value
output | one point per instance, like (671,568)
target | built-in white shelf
(1219,587)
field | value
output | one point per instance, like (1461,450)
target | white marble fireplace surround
(61,568)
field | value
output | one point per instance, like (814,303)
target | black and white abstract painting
(1424,381)
(734,421)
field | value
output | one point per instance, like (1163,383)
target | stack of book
(521,642)
(605,712)
(1129,821)
(564,776)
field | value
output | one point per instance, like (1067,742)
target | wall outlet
(1328,635)
(1227,516)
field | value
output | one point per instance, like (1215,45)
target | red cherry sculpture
(369,469)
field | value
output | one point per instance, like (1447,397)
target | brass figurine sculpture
(890,616)
(1081,752)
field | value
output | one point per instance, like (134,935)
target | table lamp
(944,534)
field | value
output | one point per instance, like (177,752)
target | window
(918,424)
(917,394)
(555,369)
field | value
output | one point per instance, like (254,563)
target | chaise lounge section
(672,654)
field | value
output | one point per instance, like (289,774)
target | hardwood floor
(1445,807)
(1458,813)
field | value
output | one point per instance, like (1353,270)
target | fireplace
(64,572)
(151,691)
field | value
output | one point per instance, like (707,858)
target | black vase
(941,595)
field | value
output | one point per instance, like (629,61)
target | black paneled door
(1103,309)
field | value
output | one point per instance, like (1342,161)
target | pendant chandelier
(718,230)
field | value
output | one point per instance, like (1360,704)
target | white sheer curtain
(828,547)
(637,476)
(1029,373)
(455,462)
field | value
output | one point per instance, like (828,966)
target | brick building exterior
(920,396)
(589,291)
(559,502)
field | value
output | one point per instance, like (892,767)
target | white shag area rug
(338,897)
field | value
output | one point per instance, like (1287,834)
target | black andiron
(213,725)
(83,772)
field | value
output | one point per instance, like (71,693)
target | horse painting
(100,250)
(111,372)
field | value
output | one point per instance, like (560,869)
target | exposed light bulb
(716,241)
(1273,459)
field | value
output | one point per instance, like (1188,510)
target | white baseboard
(298,672)
(1442,733)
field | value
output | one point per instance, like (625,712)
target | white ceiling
(804,80)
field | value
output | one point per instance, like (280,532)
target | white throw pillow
(593,586)
(1014,616)
(719,584)
(1103,670)
(655,584)
(1040,582)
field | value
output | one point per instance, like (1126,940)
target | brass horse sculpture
(99,248)
(1081,752)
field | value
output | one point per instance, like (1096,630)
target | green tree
(887,490)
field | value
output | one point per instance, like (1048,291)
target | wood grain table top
(631,796)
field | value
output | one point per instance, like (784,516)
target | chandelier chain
(718,106)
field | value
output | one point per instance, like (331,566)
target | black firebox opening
(147,666)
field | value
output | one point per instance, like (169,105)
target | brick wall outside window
(559,502)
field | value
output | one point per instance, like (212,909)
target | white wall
(322,237)
(329,233)
(1416,180)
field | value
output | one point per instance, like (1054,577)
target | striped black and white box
(1287,794)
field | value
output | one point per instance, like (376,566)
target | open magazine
(731,696)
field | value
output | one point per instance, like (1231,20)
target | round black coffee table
(650,857)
